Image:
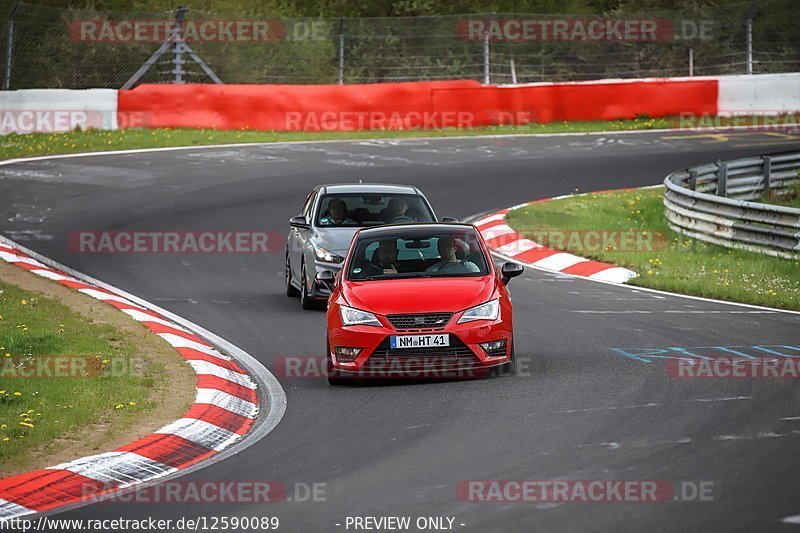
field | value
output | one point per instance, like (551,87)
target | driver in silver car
(396,211)
(449,260)
(337,214)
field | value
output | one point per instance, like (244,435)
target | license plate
(419,341)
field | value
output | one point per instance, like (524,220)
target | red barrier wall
(286,107)
(418,105)
(580,101)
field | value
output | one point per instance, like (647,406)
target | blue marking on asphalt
(647,355)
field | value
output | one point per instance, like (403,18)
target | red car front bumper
(464,357)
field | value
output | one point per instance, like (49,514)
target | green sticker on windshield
(356,271)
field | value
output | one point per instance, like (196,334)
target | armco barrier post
(722,179)
(693,179)
(10,47)
(767,174)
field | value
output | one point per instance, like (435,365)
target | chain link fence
(83,48)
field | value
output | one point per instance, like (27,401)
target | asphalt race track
(579,408)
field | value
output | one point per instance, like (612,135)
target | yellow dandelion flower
(119,406)
(17,394)
(24,302)
(131,403)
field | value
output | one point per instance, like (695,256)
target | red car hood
(420,295)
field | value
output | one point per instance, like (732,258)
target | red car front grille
(429,321)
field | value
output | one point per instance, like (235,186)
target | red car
(418,301)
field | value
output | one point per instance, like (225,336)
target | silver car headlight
(324,255)
(488,311)
(357,317)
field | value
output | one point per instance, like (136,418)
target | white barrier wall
(762,94)
(57,110)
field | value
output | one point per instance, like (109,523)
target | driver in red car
(449,259)
(386,257)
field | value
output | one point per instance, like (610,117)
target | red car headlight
(488,311)
(357,317)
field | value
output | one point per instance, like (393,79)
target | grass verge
(791,199)
(34,144)
(77,376)
(630,230)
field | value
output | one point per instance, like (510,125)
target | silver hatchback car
(320,235)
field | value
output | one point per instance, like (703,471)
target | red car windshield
(410,252)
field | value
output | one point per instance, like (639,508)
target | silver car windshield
(359,210)
(418,252)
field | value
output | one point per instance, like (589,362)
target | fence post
(10,47)
(751,13)
(767,175)
(513,71)
(178,47)
(722,179)
(487,77)
(341,50)
(691,62)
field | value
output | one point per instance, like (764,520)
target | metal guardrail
(713,203)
